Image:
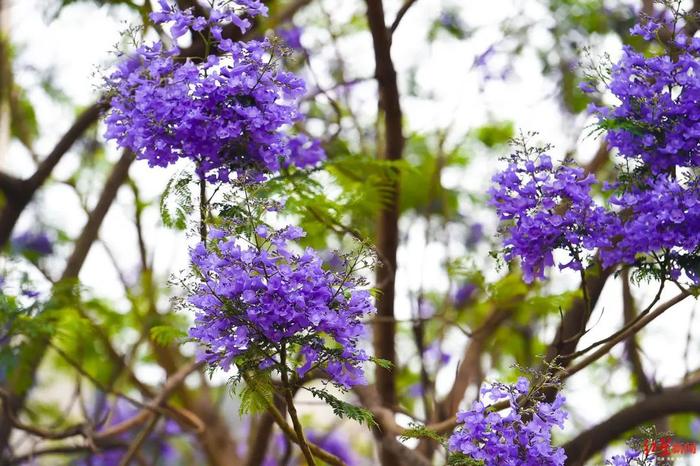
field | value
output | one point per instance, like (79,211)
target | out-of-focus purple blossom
(695,427)
(426,309)
(335,444)
(331,442)
(292,37)
(450,20)
(435,357)
(255,297)
(464,294)
(415,390)
(36,242)
(157,444)
(475,234)
(510,439)
(482,60)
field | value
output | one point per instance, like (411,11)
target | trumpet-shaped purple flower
(228,113)
(547,208)
(517,438)
(657,120)
(259,299)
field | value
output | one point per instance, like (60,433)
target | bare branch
(401,13)
(588,443)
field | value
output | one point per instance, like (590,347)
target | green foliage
(257,393)
(343,409)
(176,202)
(422,190)
(23,122)
(20,325)
(383,363)
(420,431)
(496,133)
(460,459)
(166,335)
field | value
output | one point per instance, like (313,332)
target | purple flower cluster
(259,299)
(522,437)
(547,208)
(651,219)
(657,120)
(228,113)
(661,215)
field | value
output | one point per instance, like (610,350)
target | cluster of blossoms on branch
(229,111)
(260,298)
(547,208)
(650,220)
(261,303)
(523,436)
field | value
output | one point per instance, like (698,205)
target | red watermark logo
(665,447)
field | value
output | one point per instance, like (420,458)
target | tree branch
(22,191)
(588,443)
(631,348)
(387,228)
(401,13)
(620,336)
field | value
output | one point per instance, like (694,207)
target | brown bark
(470,366)
(22,191)
(590,442)
(387,237)
(631,348)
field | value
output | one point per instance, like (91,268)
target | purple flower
(253,299)
(334,444)
(35,242)
(464,294)
(548,208)
(229,114)
(156,445)
(292,37)
(512,438)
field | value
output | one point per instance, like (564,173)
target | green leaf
(165,335)
(494,134)
(383,363)
(420,431)
(343,409)
(176,202)
(257,393)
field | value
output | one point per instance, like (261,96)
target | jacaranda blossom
(259,298)
(521,437)
(230,112)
